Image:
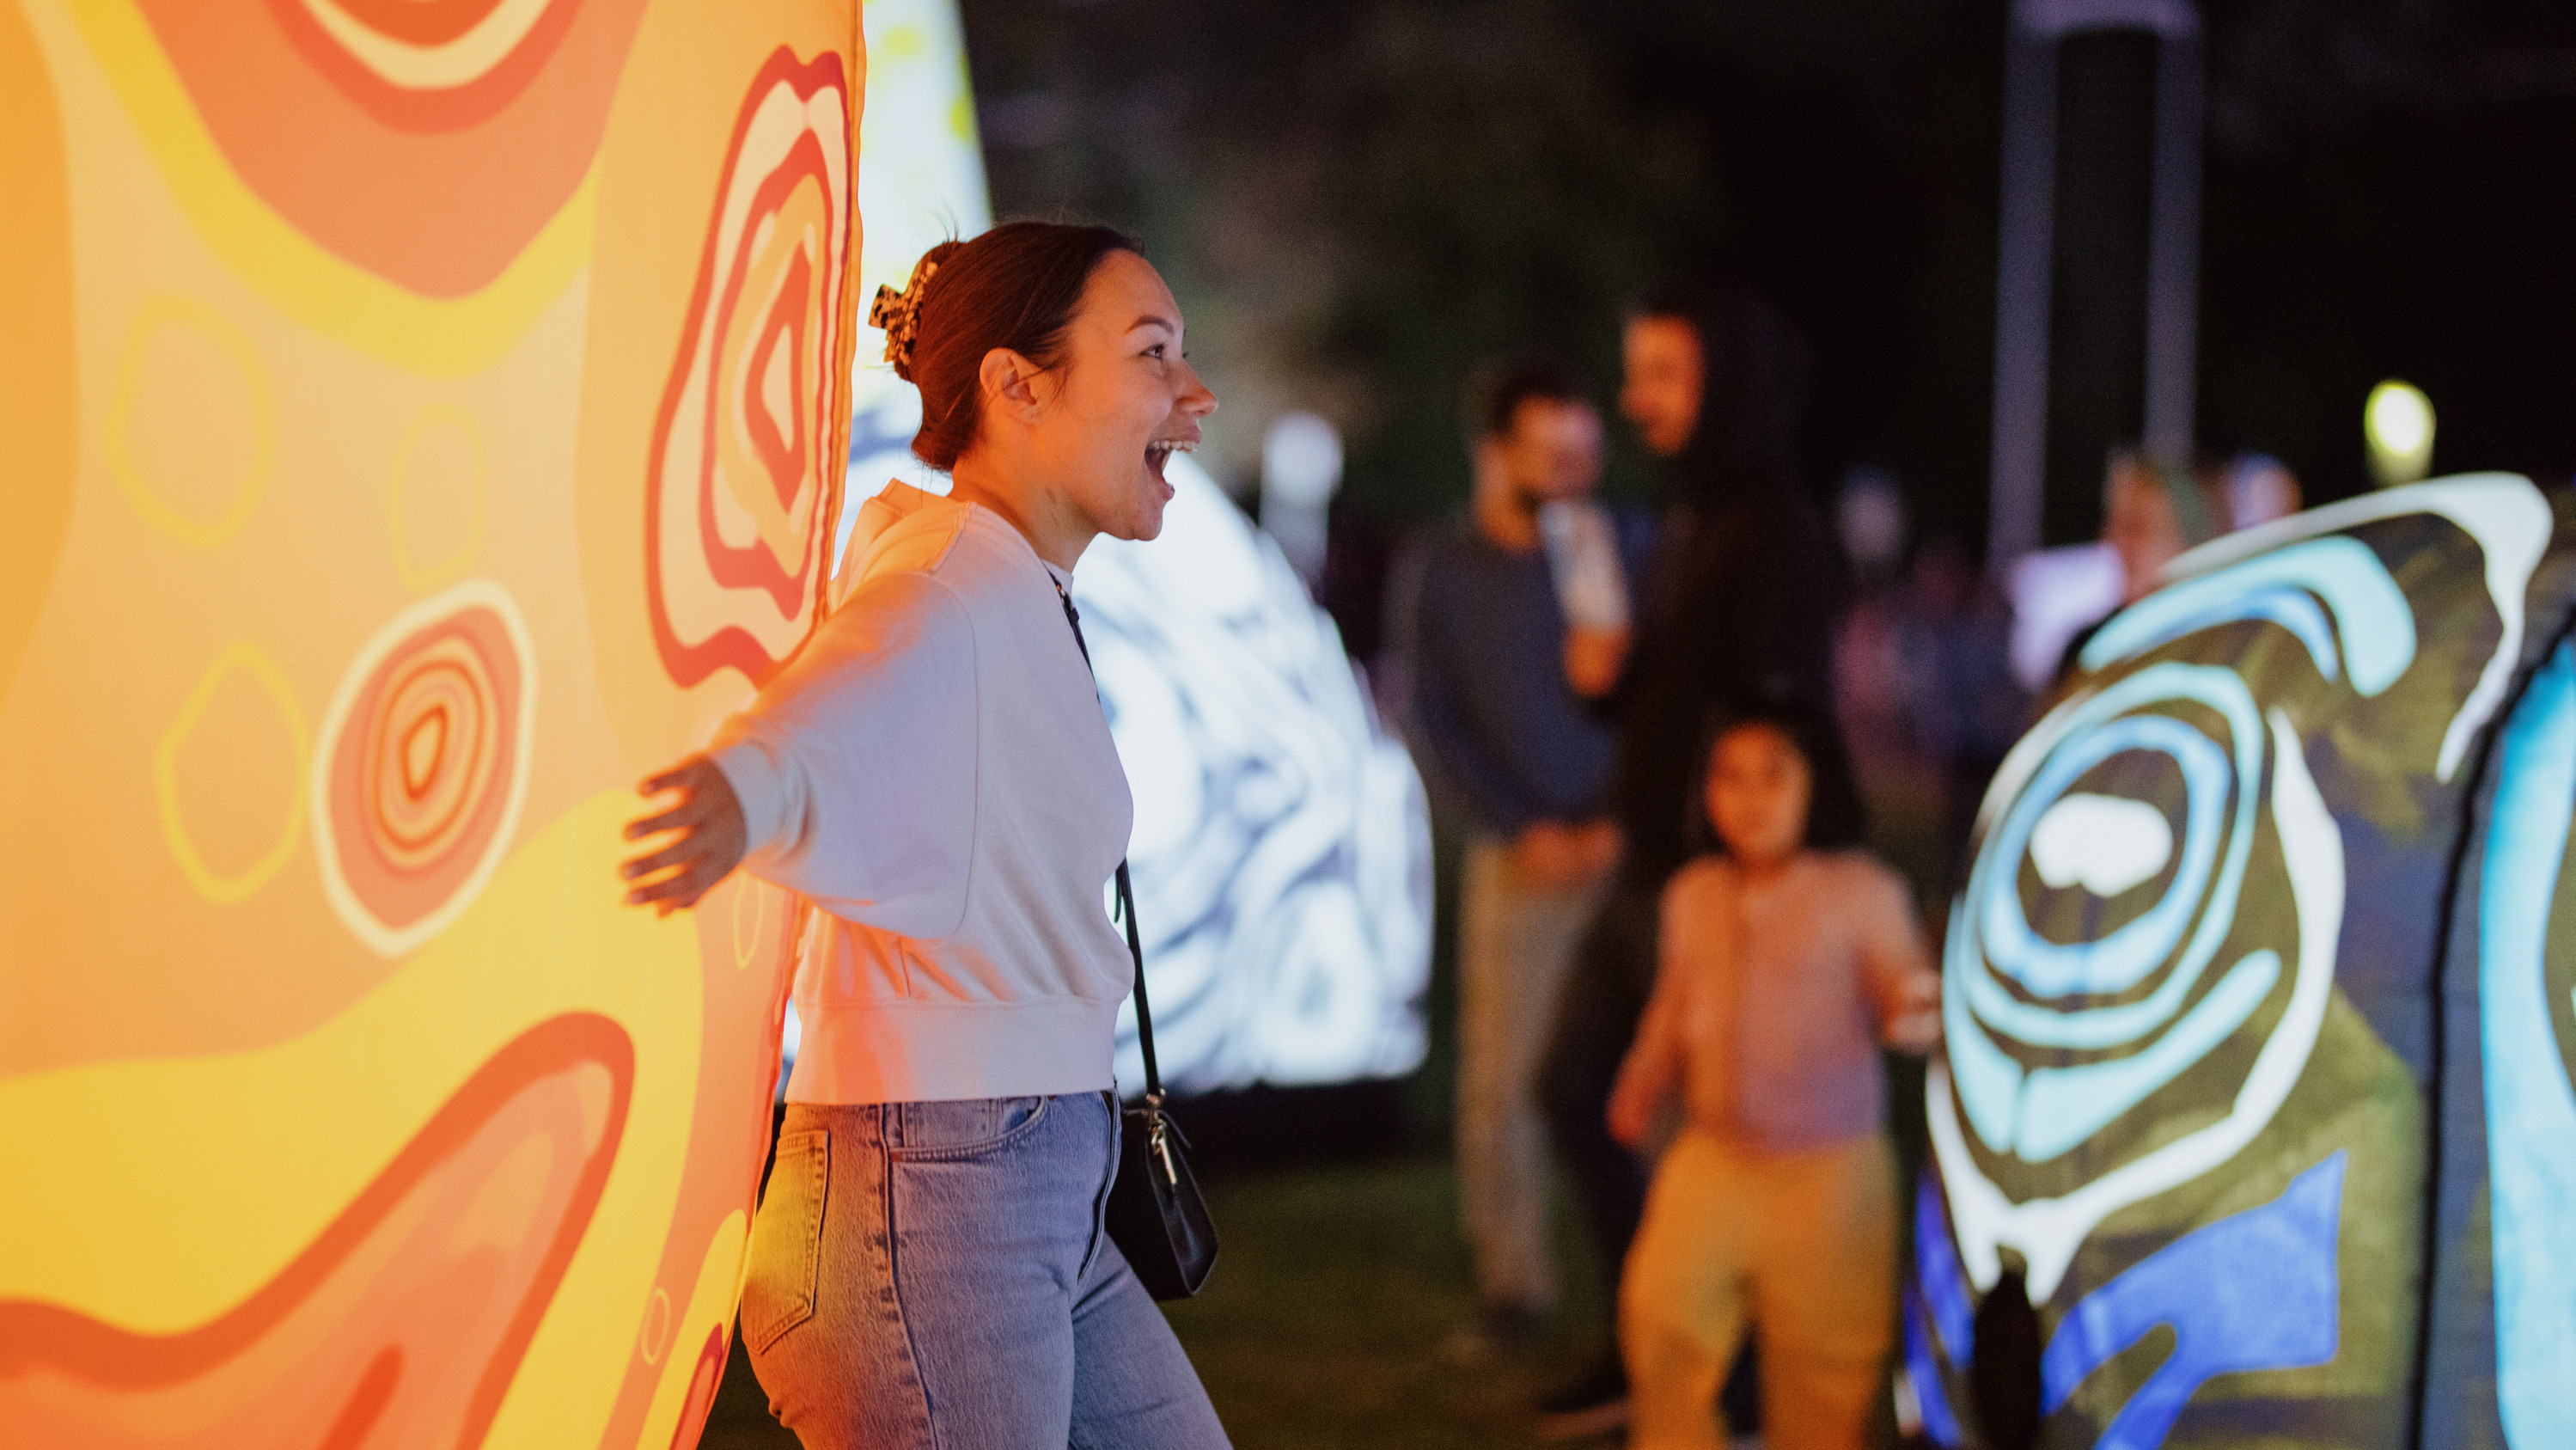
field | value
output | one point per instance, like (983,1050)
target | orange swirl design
(425,141)
(741,473)
(403,1323)
(422,765)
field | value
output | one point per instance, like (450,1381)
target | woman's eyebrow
(1152,319)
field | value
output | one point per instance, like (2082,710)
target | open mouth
(1159,453)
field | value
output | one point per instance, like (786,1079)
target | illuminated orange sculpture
(418,421)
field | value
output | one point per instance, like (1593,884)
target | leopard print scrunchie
(899,313)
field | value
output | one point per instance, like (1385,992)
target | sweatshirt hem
(905,1052)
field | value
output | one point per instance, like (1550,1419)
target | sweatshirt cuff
(760,790)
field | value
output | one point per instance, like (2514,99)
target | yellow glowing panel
(418,422)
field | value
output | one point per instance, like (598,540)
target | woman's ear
(1010,381)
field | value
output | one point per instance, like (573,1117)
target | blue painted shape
(1936,1266)
(1940,1424)
(2291,608)
(1943,1289)
(1992,1085)
(2255,1290)
(2371,612)
(2531,1110)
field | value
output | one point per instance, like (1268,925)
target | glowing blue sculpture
(2258,1012)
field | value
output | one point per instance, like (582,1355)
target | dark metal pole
(2025,271)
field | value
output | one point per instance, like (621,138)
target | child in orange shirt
(1789,956)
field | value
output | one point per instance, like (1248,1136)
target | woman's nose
(1195,399)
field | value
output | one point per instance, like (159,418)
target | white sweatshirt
(934,772)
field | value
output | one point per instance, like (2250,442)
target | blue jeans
(934,1276)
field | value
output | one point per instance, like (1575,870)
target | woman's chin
(1144,521)
(1147,525)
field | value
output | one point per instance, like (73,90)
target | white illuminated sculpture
(1282,850)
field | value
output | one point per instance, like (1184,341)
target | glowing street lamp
(2398,421)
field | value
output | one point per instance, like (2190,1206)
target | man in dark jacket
(1739,600)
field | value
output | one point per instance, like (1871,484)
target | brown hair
(1495,396)
(1015,286)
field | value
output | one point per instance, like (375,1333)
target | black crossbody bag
(1156,1215)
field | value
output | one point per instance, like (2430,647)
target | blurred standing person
(2153,511)
(1898,781)
(1790,955)
(2260,488)
(1739,599)
(1964,706)
(1503,606)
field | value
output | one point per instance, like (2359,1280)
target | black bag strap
(1126,894)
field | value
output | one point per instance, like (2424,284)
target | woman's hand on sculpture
(712,837)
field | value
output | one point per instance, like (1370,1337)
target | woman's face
(1123,401)
(1758,786)
(1661,390)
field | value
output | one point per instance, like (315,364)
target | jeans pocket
(969,1128)
(787,1240)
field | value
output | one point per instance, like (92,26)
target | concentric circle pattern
(422,765)
(2054,1040)
(742,471)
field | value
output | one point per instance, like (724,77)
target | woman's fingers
(677,817)
(672,779)
(679,889)
(691,808)
(686,851)
(670,893)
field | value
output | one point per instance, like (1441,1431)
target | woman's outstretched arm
(851,781)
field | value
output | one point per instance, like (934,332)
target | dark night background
(1356,199)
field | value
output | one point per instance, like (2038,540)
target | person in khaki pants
(1788,957)
(1512,613)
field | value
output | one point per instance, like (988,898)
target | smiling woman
(934,773)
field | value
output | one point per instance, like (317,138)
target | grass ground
(1324,1326)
